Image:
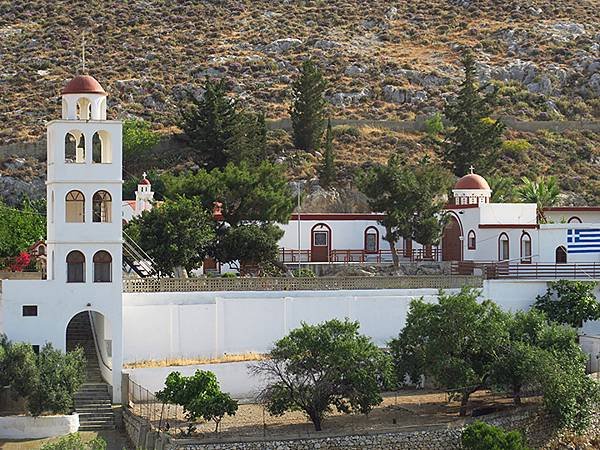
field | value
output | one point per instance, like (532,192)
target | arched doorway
(320,243)
(560,255)
(451,242)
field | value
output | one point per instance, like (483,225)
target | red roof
(472,181)
(144,181)
(83,84)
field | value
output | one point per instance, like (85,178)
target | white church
(83,300)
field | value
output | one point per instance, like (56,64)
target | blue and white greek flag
(586,240)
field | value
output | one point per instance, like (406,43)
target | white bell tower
(84,245)
(143,196)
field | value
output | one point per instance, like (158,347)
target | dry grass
(194,361)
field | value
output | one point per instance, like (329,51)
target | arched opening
(102,267)
(84,109)
(471,240)
(74,147)
(503,247)
(101,150)
(101,207)
(75,267)
(320,243)
(371,240)
(560,255)
(525,248)
(575,219)
(74,207)
(103,108)
(91,331)
(451,240)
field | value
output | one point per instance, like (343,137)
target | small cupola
(83,98)
(472,189)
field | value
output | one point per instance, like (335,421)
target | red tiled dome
(83,84)
(472,181)
(144,181)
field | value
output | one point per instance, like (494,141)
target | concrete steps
(92,402)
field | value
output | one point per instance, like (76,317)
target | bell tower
(84,218)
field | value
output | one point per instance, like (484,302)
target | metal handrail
(96,342)
(139,254)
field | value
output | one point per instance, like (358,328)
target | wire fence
(161,416)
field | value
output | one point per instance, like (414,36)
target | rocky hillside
(383,60)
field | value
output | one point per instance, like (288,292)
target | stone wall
(537,426)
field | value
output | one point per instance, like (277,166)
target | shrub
(199,395)
(303,273)
(74,442)
(569,302)
(516,149)
(229,275)
(482,436)
(434,125)
(138,138)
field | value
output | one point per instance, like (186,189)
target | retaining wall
(27,427)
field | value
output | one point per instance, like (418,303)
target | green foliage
(453,341)
(229,275)
(138,138)
(303,273)
(503,189)
(158,186)
(473,137)
(327,169)
(200,396)
(481,436)
(569,302)
(251,243)
(74,442)
(59,376)
(317,367)
(308,107)
(412,196)
(178,234)
(20,228)
(434,125)
(516,149)
(18,368)
(219,131)
(544,192)
(248,194)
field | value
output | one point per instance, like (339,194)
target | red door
(451,243)
(320,243)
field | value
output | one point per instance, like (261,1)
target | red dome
(472,181)
(145,181)
(83,84)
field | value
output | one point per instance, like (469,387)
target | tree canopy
(20,228)
(473,137)
(308,107)
(178,234)
(317,367)
(412,196)
(543,191)
(569,302)
(138,138)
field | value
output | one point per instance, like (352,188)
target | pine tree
(327,168)
(308,107)
(249,140)
(210,123)
(474,137)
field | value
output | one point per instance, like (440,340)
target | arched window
(75,267)
(101,207)
(101,151)
(560,255)
(84,109)
(471,240)
(525,248)
(102,267)
(503,247)
(74,207)
(74,147)
(371,240)
(574,219)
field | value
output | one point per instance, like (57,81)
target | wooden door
(451,243)
(320,247)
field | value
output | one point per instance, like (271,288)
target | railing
(516,270)
(143,403)
(290,256)
(299,284)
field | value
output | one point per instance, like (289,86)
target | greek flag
(583,240)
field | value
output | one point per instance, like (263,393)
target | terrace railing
(291,256)
(298,283)
(533,271)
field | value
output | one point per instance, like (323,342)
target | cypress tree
(327,169)
(308,107)
(474,137)
(210,123)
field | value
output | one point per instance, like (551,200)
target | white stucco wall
(27,427)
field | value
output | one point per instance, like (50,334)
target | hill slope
(383,60)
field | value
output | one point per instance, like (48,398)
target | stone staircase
(92,401)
